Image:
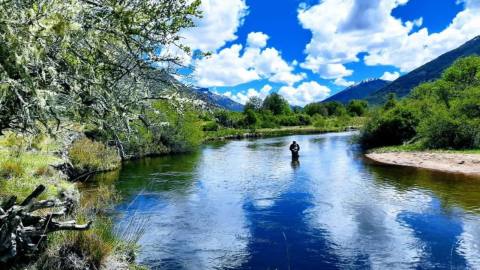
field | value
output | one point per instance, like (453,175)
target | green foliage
(390,103)
(90,156)
(210,126)
(228,119)
(332,108)
(21,171)
(294,120)
(442,114)
(316,108)
(357,108)
(251,119)
(391,127)
(11,168)
(276,104)
(82,60)
(335,108)
(253,103)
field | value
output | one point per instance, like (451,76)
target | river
(245,205)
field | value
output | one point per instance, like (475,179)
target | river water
(245,205)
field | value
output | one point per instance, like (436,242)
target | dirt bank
(447,162)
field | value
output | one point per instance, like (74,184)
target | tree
(390,103)
(85,60)
(316,108)
(357,107)
(251,118)
(276,104)
(253,103)
(335,108)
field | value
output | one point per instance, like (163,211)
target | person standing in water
(295,149)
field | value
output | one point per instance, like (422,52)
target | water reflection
(247,205)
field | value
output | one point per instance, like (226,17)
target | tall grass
(90,156)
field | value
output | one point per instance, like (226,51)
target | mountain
(166,86)
(219,100)
(358,91)
(428,72)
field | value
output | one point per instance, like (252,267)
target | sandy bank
(447,162)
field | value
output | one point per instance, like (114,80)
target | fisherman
(295,148)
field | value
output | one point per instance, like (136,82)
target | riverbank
(232,134)
(28,162)
(464,162)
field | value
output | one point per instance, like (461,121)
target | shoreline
(460,163)
(277,132)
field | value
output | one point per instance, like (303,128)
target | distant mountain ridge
(358,91)
(168,87)
(430,71)
(219,100)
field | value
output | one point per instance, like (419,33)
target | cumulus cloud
(237,65)
(218,25)
(390,76)
(341,29)
(244,96)
(306,92)
(257,40)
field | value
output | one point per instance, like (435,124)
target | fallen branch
(22,232)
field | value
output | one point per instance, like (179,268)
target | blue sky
(308,50)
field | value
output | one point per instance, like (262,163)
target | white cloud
(390,76)
(257,40)
(243,97)
(305,93)
(237,65)
(343,82)
(218,25)
(341,29)
(227,68)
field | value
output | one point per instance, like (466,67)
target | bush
(320,122)
(210,126)
(90,156)
(228,119)
(11,168)
(392,127)
(443,131)
(294,120)
(445,113)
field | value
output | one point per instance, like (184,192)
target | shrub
(90,156)
(320,122)
(228,119)
(210,126)
(441,130)
(11,168)
(45,170)
(392,127)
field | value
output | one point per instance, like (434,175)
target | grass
(26,162)
(90,156)
(21,172)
